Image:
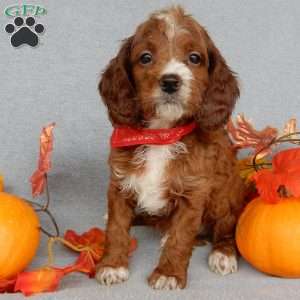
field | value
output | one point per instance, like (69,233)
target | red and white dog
(169,94)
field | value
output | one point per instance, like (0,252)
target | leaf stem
(45,209)
(280,140)
(53,240)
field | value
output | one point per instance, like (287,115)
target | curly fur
(194,191)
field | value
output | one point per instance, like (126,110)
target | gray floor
(57,81)
(203,284)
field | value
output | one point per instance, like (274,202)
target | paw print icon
(24,32)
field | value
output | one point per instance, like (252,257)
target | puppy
(169,76)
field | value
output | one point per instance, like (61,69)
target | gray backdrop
(57,81)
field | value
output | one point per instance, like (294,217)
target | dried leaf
(90,245)
(7,285)
(244,135)
(37,183)
(86,264)
(48,279)
(41,280)
(290,127)
(44,164)
(285,173)
(246,167)
(93,241)
(287,160)
(290,130)
(92,237)
(288,164)
(267,184)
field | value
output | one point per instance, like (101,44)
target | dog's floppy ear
(221,94)
(117,88)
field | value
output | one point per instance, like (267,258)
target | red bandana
(127,136)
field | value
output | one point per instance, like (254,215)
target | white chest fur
(150,184)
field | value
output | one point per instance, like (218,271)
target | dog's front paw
(221,263)
(109,275)
(162,282)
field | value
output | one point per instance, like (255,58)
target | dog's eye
(195,58)
(146,58)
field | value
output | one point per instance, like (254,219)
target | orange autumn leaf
(287,160)
(288,163)
(48,279)
(93,241)
(91,247)
(44,164)
(267,184)
(42,280)
(285,172)
(247,168)
(244,135)
(7,285)
(93,237)
(86,264)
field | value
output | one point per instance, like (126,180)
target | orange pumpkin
(268,236)
(19,235)
(1,184)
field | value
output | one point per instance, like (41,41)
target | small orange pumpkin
(268,236)
(1,184)
(268,231)
(19,235)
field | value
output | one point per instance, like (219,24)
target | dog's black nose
(170,83)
